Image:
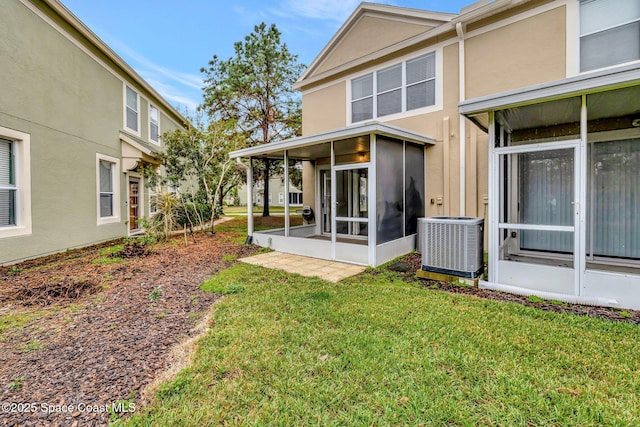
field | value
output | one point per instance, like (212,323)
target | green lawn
(285,350)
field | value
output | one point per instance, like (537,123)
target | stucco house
(523,112)
(76,125)
(275,196)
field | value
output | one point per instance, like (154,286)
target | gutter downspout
(249,170)
(462,133)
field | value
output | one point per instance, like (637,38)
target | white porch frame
(295,239)
(591,285)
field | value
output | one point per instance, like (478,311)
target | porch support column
(250,201)
(287,220)
(333,202)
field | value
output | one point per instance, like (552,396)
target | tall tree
(254,88)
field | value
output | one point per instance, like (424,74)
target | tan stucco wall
(324,109)
(370,34)
(521,54)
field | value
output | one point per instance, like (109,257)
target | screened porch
(364,184)
(565,188)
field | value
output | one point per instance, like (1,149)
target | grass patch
(223,283)
(373,350)
(107,260)
(32,345)
(12,323)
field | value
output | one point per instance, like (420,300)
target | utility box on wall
(452,245)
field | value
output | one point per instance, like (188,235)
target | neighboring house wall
(67,95)
(276,189)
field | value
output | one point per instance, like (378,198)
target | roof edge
(76,23)
(469,16)
(361,10)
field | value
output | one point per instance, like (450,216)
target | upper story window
(15,183)
(132,107)
(396,89)
(154,124)
(609,33)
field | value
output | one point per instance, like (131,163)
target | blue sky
(168,41)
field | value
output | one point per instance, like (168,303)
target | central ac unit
(452,245)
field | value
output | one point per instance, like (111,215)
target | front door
(134,204)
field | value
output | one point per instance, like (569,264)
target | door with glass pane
(538,229)
(134,203)
(351,203)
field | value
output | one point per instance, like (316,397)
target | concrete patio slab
(331,271)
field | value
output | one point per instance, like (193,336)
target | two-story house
(76,126)
(524,112)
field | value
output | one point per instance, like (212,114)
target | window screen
(609,33)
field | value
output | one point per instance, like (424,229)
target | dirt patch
(110,329)
(613,314)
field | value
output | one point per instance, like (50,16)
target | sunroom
(564,186)
(365,185)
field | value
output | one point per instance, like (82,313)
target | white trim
(437,50)
(22,146)
(489,9)
(151,106)
(66,15)
(141,201)
(116,189)
(400,14)
(126,86)
(573,42)
(334,135)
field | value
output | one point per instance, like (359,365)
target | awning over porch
(310,147)
(136,152)
(477,109)
(564,187)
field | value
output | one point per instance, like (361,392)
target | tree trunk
(265,210)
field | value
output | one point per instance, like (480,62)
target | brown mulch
(414,261)
(102,330)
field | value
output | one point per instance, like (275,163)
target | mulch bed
(414,261)
(107,328)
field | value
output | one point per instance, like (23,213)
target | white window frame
(153,107)
(270,198)
(116,189)
(152,193)
(281,198)
(21,148)
(125,107)
(573,37)
(438,78)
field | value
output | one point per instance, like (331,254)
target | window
(609,33)
(108,182)
(8,186)
(270,198)
(396,89)
(153,201)
(131,110)
(295,198)
(154,124)
(15,183)
(280,198)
